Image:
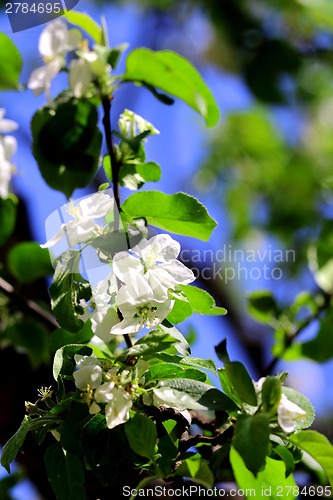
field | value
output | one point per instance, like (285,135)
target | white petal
(41,78)
(56,238)
(88,375)
(7,125)
(97,205)
(103,321)
(103,393)
(5,176)
(165,247)
(123,262)
(126,326)
(53,39)
(117,411)
(10,146)
(79,77)
(79,231)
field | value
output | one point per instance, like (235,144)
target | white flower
(138,307)
(117,410)
(288,414)
(54,43)
(79,77)
(131,123)
(104,315)
(156,260)
(8,146)
(89,373)
(81,228)
(6,125)
(258,385)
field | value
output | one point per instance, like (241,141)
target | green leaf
(86,23)
(65,473)
(178,213)
(162,371)
(251,440)
(240,381)
(195,395)
(320,348)
(262,306)
(201,302)
(197,469)
(31,336)
(175,75)
(205,364)
(152,342)
(134,175)
(8,209)
(67,144)
(27,262)
(318,447)
(11,448)
(142,435)
(227,386)
(62,337)
(320,257)
(66,291)
(180,311)
(10,64)
(271,394)
(287,458)
(269,483)
(63,363)
(182,345)
(303,402)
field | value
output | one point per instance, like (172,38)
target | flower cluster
(8,146)
(55,42)
(147,273)
(103,384)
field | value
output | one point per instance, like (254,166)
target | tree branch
(28,306)
(106,102)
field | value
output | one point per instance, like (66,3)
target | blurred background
(264,173)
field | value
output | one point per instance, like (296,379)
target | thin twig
(27,305)
(115,181)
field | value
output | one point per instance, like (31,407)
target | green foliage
(65,473)
(8,208)
(174,75)
(318,447)
(141,434)
(321,257)
(28,262)
(178,213)
(134,175)
(62,337)
(64,364)
(251,440)
(162,371)
(31,336)
(262,306)
(201,302)
(205,364)
(85,22)
(287,458)
(66,144)
(272,479)
(66,291)
(11,448)
(271,394)
(197,469)
(194,394)
(235,378)
(10,64)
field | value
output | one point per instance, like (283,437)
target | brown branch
(26,305)
(221,438)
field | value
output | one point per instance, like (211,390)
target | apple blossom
(80,229)
(138,306)
(288,414)
(54,43)
(156,259)
(6,125)
(8,146)
(117,410)
(129,123)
